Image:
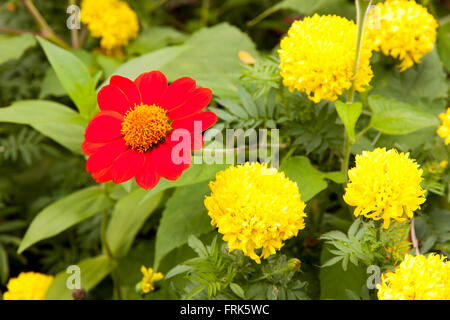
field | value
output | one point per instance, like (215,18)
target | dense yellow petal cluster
(417,278)
(28,286)
(444,129)
(402,29)
(385,185)
(318,57)
(149,278)
(255,207)
(111,20)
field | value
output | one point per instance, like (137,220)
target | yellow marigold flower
(443,164)
(28,286)
(402,29)
(385,185)
(255,207)
(148,281)
(318,57)
(111,20)
(417,278)
(444,129)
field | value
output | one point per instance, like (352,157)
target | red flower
(132,134)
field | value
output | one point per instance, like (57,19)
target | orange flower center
(145,126)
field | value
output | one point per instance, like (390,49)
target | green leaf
(397,118)
(197,246)
(248,102)
(234,108)
(332,261)
(129,214)
(51,85)
(349,114)
(4,265)
(92,271)
(74,77)
(65,213)
(210,56)
(237,290)
(179,269)
(184,216)
(310,181)
(424,85)
(153,38)
(195,174)
(12,47)
(52,119)
(334,281)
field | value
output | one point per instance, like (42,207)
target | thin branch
(414,240)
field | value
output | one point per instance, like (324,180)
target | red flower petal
(164,164)
(195,102)
(104,126)
(148,178)
(111,98)
(176,93)
(152,86)
(127,165)
(128,88)
(204,120)
(91,147)
(105,155)
(103,175)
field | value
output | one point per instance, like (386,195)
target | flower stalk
(362,9)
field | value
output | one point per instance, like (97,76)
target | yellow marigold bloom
(255,207)
(111,20)
(443,164)
(402,29)
(417,278)
(148,281)
(385,185)
(28,286)
(318,57)
(444,129)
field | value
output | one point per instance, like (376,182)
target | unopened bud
(79,294)
(294,264)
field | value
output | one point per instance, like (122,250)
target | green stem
(74,32)
(107,249)
(46,29)
(362,9)
(205,12)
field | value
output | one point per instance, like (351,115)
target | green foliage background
(50,207)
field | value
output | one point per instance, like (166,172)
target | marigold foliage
(444,129)
(318,57)
(255,207)
(417,278)
(28,286)
(385,185)
(402,29)
(111,20)
(149,278)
